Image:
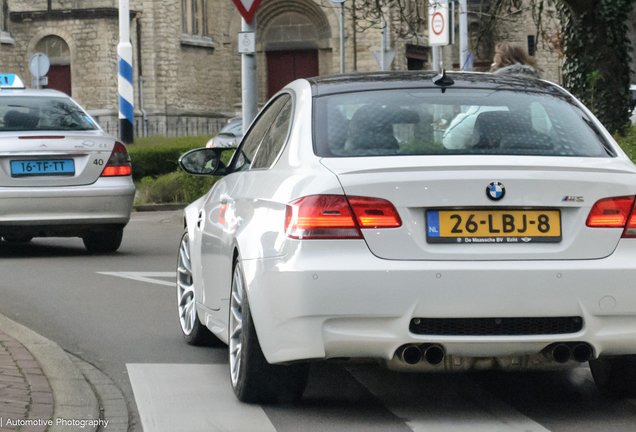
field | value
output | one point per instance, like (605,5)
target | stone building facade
(186,56)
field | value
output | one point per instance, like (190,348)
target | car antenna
(442,79)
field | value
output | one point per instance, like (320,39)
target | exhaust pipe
(561,353)
(582,352)
(434,354)
(412,354)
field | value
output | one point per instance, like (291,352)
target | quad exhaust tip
(561,353)
(564,352)
(413,354)
(434,354)
(582,352)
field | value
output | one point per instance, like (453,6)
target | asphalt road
(123,325)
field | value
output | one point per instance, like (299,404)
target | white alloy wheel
(236,324)
(254,380)
(185,288)
(194,332)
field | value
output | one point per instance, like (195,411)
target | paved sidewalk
(43,388)
(25,393)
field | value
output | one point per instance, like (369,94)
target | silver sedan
(61,175)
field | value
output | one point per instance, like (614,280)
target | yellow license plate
(493,226)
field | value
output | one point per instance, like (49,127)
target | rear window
(26,114)
(457,121)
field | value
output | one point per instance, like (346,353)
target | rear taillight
(119,162)
(616,212)
(375,213)
(335,217)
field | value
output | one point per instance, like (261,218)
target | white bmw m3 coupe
(451,222)
(61,175)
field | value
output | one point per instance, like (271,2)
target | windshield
(26,114)
(457,121)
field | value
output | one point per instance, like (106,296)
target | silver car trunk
(417,184)
(89,152)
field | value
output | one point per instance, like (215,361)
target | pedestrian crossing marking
(192,398)
(198,397)
(426,406)
(148,277)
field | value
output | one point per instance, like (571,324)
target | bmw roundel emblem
(495,191)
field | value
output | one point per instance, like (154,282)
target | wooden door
(60,78)
(284,67)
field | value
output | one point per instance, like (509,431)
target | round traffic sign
(39,65)
(437,23)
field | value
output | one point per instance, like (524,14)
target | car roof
(353,82)
(32,92)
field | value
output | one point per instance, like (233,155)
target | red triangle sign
(247,8)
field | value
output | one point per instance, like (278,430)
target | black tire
(103,241)
(20,239)
(257,380)
(615,376)
(199,334)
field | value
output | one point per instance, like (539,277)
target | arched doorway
(291,43)
(58,52)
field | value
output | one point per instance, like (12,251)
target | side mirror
(203,161)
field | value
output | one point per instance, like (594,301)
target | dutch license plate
(493,226)
(46,167)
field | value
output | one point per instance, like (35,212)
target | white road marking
(145,276)
(192,398)
(425,406)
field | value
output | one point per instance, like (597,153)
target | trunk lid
(417,184)
(34,159)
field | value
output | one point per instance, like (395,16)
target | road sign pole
(383,62)
(435,58)
(124,64)
(463,36)
(342,43)
(249,84)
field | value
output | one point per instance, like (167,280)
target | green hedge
(175,187)
(628,142)
(156,173)
(156,156)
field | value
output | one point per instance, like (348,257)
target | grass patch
(175,187)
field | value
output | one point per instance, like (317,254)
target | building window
(195,23)
(184,16)
(204,18)
(195,16)
(4,15)
(5,37)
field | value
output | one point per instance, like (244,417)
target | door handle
(199,219)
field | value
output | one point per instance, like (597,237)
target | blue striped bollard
(124,66)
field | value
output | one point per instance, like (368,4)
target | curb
(73,396)
(159,207)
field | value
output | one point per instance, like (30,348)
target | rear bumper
(336,299)
(108,201)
